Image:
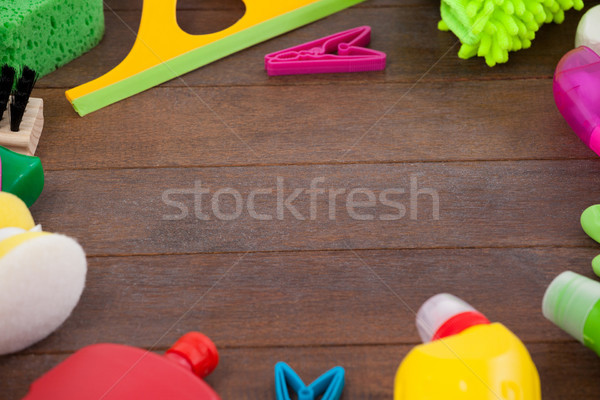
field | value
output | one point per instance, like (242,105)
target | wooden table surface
(317,289)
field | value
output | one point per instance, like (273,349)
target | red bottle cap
(445,315)
(459,323)
(199,351)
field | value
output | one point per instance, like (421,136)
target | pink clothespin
(341,52)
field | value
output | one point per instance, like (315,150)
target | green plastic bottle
(572,302)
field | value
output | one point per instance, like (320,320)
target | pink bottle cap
(577,94)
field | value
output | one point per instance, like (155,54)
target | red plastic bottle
(117,372)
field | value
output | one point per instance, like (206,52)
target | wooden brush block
(26,140)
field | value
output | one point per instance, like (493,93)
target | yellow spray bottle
(465,357)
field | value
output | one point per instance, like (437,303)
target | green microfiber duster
(492,28)
(46,34)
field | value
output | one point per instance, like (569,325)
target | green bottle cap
(569,300)
(596,265)
(22,175)
(590,222)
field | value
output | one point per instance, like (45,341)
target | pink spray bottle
(577,94)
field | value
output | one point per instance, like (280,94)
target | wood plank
(309,298)
(181,4)
(408,35)
(248,373)
(168,127)
(506,227)
(481,204)
(238,4)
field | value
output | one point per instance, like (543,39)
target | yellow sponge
(42,276)
(14,213)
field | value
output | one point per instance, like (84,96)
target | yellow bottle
(465,357)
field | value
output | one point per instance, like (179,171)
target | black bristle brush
(21,97)
(7,80)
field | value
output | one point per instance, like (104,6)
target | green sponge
(46,34)
(492,28)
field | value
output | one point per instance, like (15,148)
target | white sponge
(588,31)
(41,281)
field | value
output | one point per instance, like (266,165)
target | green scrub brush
(492,28)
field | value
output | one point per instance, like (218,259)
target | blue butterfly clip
(330,384)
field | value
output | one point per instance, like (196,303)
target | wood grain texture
(370,370)
(416,50)
(481,204)
(511,177)
(309,298)
(238,4)
(510,120)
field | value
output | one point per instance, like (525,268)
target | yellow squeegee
(162,51)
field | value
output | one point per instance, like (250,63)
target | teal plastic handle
(328,386)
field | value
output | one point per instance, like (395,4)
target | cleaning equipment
(162,51)
(21,132)
(21,97)
(337,53)
(596,265)
(22,175)
(7,80)
(572,302)
(465,357)
(588,30)
(329,385)
(590,222)
(117,372)
(42,276)
(491,29)
(576,88)
(46,34)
